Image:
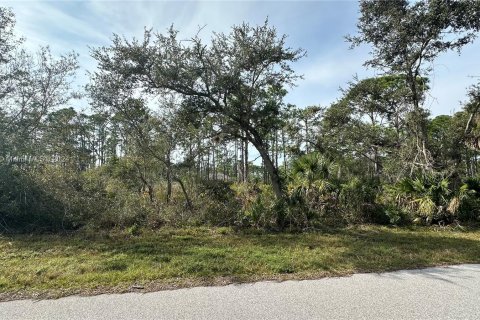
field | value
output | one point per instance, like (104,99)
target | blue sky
(318,27)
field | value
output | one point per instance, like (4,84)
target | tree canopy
(175,131)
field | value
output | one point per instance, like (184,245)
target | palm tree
(429,197)
(312,172)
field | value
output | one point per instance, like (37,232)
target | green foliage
(217,203)
(25,205)
(318,195)
(357,201)
(217,190)
(394,214)
(259,206)
(406,34)
(406,38)
(427,197)
(311,189)
(48,199)
(469,200)
(171,124)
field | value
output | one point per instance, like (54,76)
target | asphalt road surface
(435,293)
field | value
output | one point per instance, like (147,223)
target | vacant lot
(53,265)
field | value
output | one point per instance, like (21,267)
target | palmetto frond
(311,172)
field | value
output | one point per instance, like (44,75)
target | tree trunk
(241,175)
(199,160)
(276,148)
(420,130)
(214,163)
(306,134)
(185,194)
(235,162)
(169,185)
(151,193)
(275,178)
(169,179)
(245,159)
(208,164)
(376,161)
(284,151)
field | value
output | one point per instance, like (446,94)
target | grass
(43,266)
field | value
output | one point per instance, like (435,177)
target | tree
(39,85)
(66,138)
(406,39)
(368,123)
(238,78)
(8,43)
(446,135)
(472,107)
(149,133)
(30,87)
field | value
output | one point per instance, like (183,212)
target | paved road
(436,293)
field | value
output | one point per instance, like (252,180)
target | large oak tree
(237,78)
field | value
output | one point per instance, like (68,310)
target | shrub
(259,207)
(25,205)
(216,203)
(427,198)
(357,201)
(469,196)
(312,190)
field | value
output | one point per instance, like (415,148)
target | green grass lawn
(52,265)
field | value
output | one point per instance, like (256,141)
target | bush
(25,205)
(312,190)
(357,201)
(429,199)
(215,203)
(259,207)
(469,208)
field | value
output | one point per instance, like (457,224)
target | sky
(319,27)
